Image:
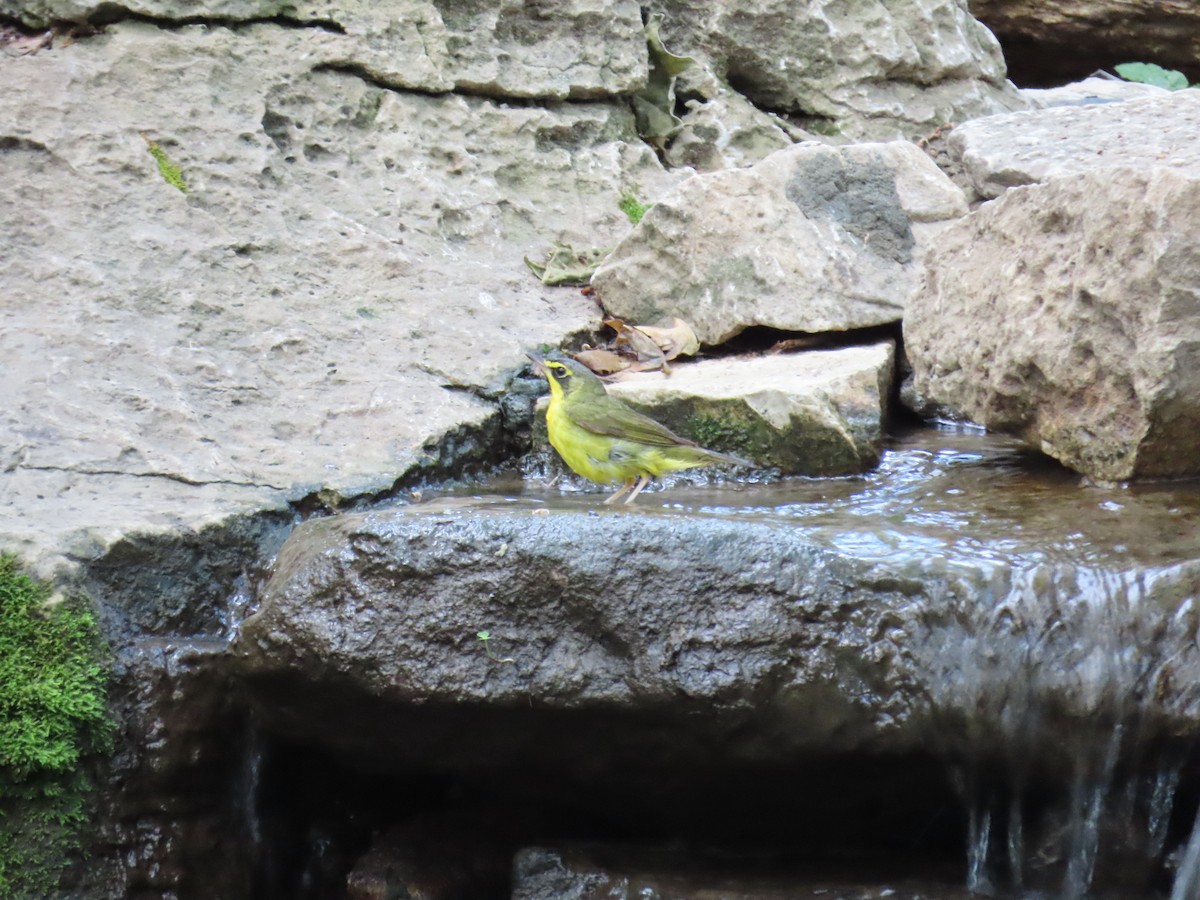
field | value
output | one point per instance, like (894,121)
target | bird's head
(567,377)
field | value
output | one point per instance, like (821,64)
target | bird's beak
(539,362)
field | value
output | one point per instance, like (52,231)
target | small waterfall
(1049,690)
(1161,803)
(979,839)
(1087,803)
(1187,877)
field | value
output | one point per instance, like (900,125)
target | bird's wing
(622,422)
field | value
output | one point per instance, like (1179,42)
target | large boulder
(385,637)
(339,290)
(812,239)
(821,412)
(1069,313)
(999,152)
(852,70)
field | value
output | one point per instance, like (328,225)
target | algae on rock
(53,714)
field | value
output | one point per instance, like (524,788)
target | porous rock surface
(340,289)
(502,49)
(1068,313)
(999,152)
(851,70)
(812,239)
(738,640)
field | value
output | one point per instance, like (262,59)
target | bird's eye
(561,372)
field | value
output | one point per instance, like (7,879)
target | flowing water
(1083,610)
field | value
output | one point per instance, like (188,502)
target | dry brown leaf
(602,362)
(674,338)
(636,342)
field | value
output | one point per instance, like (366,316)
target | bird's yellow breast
(588,454)
(604,458)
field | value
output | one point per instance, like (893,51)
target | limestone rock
(725,131)
(332,301)
(1069,313)
(1051,40)
(820,412)
(1018,148)
(811,239)
(580,49)
(1091,90)
(868,70)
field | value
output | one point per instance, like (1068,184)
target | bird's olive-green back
(588,404)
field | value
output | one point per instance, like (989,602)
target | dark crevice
(105,14)
(428,820)
(764,339)
(360,71)
(168,476)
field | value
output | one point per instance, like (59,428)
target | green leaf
(654,105)
(484,635)
(1149,73)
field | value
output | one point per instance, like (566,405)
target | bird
(604,440)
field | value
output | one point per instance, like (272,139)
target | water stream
(1084,611)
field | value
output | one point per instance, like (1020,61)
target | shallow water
(961,498)
(954,493)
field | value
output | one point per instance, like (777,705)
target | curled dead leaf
(602,362)
(674,338)
(633,340)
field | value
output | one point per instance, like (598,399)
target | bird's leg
(642,482)
(620,492)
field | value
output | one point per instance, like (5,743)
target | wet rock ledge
(633,663)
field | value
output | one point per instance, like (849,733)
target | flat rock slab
(706,638)
(1094,90)
(1068,313)
(1004,151)
(811,239)
(819,412)
(576,49)
(340,290)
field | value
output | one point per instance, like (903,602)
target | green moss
(632,207)
(720,433)
(168,170)
(52,714)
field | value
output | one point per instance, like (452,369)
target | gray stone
(725,131)
(820,412)
(336,301)
(857,70)
(593,872)
(715,639)
(811,239)
(579,49)
(1032,146)
(1091,91)
(1069,314)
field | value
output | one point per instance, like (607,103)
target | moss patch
(52,715)
(170,172)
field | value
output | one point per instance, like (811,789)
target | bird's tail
(712,456)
